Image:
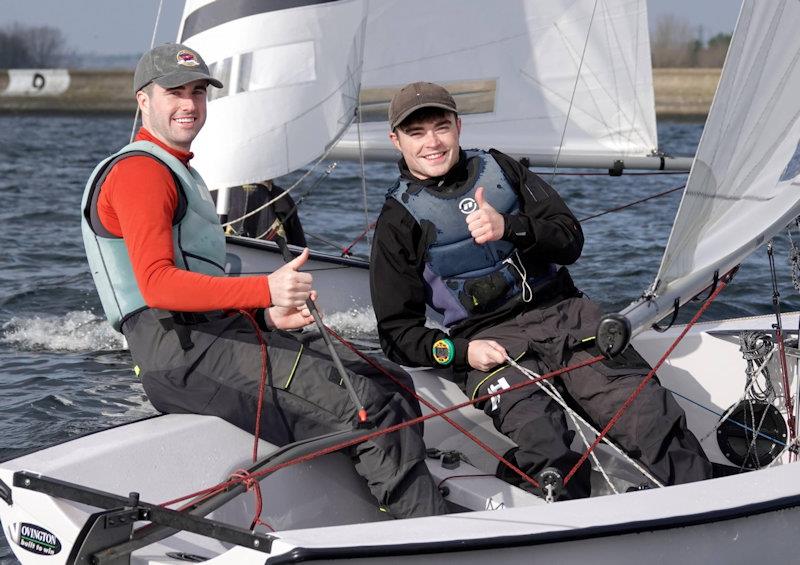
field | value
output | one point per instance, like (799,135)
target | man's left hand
(485,224)
(289,317)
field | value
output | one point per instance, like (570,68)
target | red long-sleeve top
(137,202)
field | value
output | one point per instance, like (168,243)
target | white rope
(572,97)
(548,386)
(288,190)
(531,375)
(152,43)
(747,391)
(327,172)
(527,291)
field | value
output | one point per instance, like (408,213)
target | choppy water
(64,372)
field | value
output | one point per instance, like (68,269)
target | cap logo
(187,58)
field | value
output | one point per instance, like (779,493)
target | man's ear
(143,101)
(458,125)
(395,140)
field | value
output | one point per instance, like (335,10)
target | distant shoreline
(680,94)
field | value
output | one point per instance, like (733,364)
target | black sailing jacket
(544,231)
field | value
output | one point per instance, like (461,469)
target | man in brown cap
(157,255)
(480,239)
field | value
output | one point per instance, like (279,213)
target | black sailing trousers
(219,375)
(652,430)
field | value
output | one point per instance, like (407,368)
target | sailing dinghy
(98,498)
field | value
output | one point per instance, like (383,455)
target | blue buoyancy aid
(197,237)
(463,278)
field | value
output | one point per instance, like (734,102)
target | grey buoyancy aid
(463,278)
(197,237)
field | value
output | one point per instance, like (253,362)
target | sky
(121,27)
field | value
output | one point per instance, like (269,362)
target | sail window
(220,70)
(278,66)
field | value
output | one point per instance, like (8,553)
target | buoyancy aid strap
(169,322)
(91,212)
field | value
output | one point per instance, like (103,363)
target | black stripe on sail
(223,11)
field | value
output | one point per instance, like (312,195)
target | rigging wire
(551,391)
(574,90)
(438,413)
(624,206)
(794,263)
(152,43)
(346,250)
(358,124)
(363,178)
(287,191)
(787,395)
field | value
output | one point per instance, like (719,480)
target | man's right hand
(288,287)
(483,354)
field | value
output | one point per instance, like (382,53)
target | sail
(744,186)
(524,73)
(292,74)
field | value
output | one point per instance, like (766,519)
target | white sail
(292,73)
(744,185)
(513,67)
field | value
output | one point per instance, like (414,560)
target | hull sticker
(35,539)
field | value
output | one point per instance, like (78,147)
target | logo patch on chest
(468,205)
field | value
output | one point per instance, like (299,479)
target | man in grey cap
(479,238)
(210,344)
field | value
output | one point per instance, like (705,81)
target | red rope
(785,377)
(432,407)
(722,284)
(251,483)
(346,250)
(262,382)
(390,429)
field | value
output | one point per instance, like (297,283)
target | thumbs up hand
(485,224)
(289,287)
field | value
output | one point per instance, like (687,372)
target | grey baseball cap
(418,95)
(169,66)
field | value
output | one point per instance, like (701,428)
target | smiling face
(174,115)
(429,145)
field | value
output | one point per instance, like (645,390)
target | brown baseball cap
(169,66)
(418,95)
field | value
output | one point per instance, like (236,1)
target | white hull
(732,519)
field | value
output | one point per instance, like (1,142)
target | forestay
(513,66)
(291,77)
(744,186)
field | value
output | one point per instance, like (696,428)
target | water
(64,372)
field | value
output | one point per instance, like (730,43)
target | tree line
(32,47)
(674,43)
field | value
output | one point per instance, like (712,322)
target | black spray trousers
(652,430)
(219,375)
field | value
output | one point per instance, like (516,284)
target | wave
(75,331)
(359,322)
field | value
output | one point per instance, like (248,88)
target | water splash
(75,331)
(356,323)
